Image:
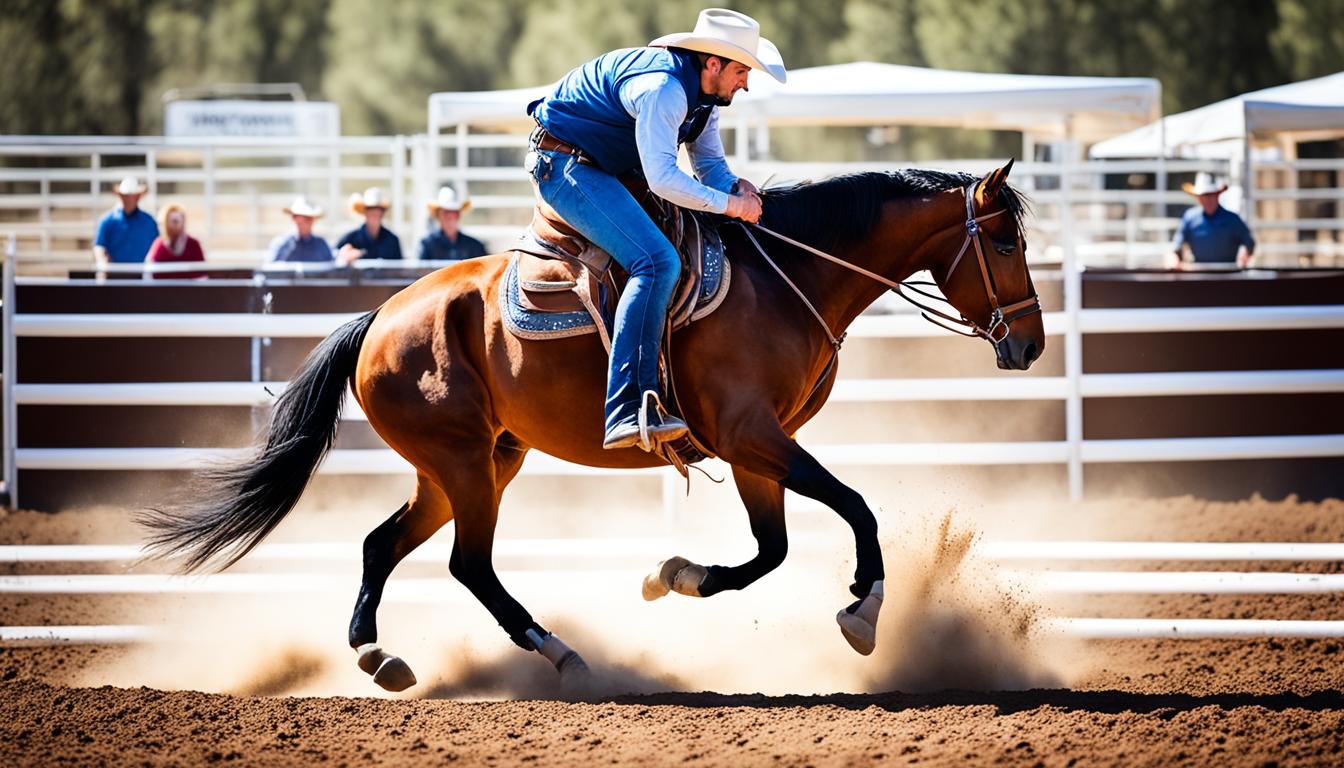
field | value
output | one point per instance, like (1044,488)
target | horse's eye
(1005,248)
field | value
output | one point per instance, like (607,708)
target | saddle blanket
(525,320)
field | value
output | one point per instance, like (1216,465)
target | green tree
(384,59)
(1310,38)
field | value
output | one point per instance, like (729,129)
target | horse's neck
(890,250)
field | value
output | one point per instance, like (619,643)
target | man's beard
(720,101)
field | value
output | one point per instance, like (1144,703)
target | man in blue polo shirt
(1214,234)
(447,242)
(302,245)
(125,233)
(370,240)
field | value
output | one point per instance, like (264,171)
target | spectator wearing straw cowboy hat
(125,233)
(1214,234)
(370,240)
(629,111)
(302,244)
(447,242)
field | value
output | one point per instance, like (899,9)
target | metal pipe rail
(619,548)
(378,461)
(304,325)
(1081,629)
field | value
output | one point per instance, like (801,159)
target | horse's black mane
(844,209)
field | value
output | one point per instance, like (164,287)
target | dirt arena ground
(963,674)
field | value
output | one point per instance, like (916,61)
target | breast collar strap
(1000,317)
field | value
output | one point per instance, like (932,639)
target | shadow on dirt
(1009,702)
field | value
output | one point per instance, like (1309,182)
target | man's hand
(1173,261)
(743,185)
(1243,257)
(347,255)
(745,206)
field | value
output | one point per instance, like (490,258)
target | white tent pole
(741,147)
(1162,175)
(8,358)
(1073,338)
(1247,173)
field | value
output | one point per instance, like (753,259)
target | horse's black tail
(236,506)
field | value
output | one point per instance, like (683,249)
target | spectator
(125,233)
(446,242)
(1213,233)
(174,244)
(303,245)
(370,240)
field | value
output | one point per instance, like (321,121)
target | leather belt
(546,142)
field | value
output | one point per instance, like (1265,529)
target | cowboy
(446,242)
(1213,233)
(302,245)
(628,111)
(125,233)
(371,239)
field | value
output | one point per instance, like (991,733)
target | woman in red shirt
(174,244)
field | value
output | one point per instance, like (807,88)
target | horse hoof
(394,675)
(389,672)
(676,574)
(859,623)
(575,676)
(861,635)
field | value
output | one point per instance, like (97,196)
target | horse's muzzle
(1016,356)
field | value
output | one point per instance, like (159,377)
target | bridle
(1000,317)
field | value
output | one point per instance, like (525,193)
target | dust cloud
(949,622)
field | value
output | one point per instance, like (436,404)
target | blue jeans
(598,205)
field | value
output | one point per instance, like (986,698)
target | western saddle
(560,272)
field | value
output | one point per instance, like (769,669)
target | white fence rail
(1071,388)
(606,559)
(55,188)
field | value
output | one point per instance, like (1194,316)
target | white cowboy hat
(732,35)
(373,197)
(301,207)
(447,201)
(1204,184)
(131,186)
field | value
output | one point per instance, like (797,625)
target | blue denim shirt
(127,237)
(437,247)
(291,247)
(385,246)
(1213,238)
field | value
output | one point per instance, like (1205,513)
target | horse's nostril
(1029,354)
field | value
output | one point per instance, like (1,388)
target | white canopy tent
(1309,107)
(869,93)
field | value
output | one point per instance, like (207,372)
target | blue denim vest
(585,110)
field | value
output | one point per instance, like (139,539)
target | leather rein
(1000,317)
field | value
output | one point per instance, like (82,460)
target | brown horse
(452,391)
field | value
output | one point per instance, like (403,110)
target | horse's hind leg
(426,512)
(475,487)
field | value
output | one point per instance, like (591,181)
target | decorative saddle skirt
(558,284)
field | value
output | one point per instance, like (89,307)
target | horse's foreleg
(858,621)
(764,500)
(385,547)
(770,453)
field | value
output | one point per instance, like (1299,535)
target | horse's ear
(989,187)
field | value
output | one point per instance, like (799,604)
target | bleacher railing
(54,189)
